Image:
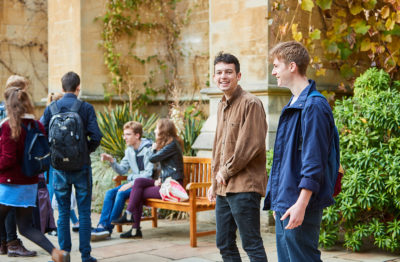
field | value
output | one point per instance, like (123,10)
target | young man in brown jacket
(238,164)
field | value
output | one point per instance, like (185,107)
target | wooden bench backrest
(198,170)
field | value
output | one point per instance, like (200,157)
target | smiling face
(131,138)
(226,78)
(283,72)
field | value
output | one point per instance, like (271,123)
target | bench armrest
(194,185)
(118,179)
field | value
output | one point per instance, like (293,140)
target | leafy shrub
(368,208)
(111,125)
(193,121)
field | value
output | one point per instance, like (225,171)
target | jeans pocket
(59,181)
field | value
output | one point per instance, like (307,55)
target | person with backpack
(136,159)
(16,188)
(49,175)
(298,186)
(73,135)
(10,244)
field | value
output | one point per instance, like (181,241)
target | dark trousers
(239,211)
(301,243)
(9,232)
(143,188)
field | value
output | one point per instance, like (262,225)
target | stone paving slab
(170,242)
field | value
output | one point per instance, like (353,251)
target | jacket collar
(69,95)
(234,97)
(301,101)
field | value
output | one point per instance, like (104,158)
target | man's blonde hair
(136,127)
(292,51)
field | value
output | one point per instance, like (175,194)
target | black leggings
(25,226)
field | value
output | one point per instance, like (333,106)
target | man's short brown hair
(136,127)
(292,51)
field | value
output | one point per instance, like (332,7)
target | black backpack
(36,157)
(68,145)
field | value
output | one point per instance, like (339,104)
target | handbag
(172,191)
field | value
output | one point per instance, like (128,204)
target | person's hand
(125,187)
(220,179)
(154,146)
(106,157)
(296,213)
(274,215)
(211,194)
(157,182)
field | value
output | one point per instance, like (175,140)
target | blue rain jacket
(301,153)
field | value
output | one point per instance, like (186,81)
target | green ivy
(123,20)
(368,208)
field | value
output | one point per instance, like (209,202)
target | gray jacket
(129,162)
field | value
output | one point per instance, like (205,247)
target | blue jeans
(62,183)
(301,243)
(113,205)
(239,211)
(50,188)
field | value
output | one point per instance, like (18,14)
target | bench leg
(193,229)
(154,216)
(119,228)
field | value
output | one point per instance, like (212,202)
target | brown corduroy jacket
(239,150)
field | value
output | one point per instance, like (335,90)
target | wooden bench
(197,180)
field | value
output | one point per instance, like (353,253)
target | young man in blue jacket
(296,191)
(81,179)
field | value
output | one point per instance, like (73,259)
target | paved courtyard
(170,242)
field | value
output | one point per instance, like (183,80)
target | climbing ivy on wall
(124,21)
(21,55)
(348,36)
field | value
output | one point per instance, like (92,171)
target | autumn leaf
(360,26)
(307,5)
(385,12)
(324,4)
(365,45)
(355,8)
(297,36)
(315,35)
(369,4)
(389,24)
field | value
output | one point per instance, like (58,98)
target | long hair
(18,103)
(166,133)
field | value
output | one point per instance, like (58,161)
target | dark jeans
(301,243)
(82,181)
(239,211)
(9,232)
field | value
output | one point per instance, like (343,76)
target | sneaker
(75,227)
(52,233)
(122,220)
(90,259)
(128,234)
(100,233)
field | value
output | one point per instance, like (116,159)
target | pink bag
(172,191)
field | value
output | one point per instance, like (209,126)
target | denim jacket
(301,153)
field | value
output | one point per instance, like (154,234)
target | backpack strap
(54,108)
(77,104)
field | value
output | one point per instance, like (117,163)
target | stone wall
(23,44)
